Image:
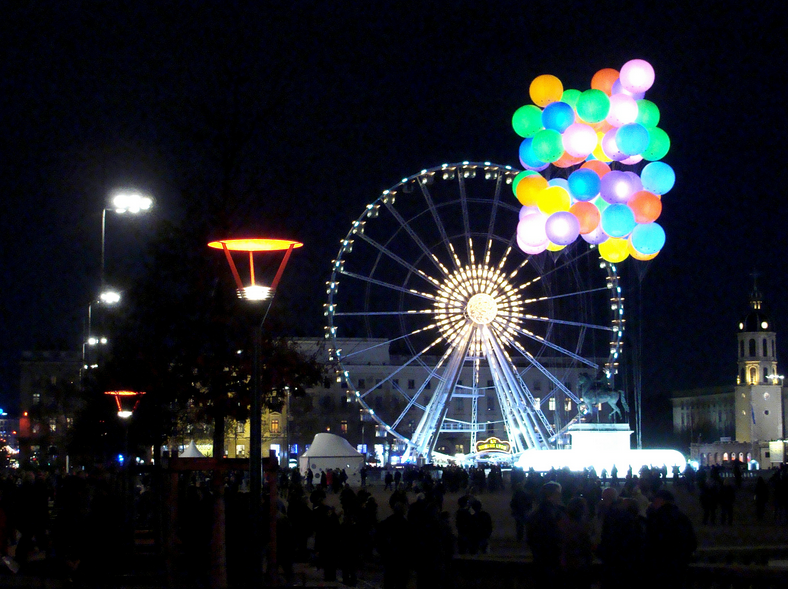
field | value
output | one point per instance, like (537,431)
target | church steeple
(758,394)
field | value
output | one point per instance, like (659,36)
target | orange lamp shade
(255,245)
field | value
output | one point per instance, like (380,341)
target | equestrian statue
(595,391)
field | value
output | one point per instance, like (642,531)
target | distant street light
(257,293)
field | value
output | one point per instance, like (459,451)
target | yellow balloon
(551,247)
(546,89)
(636,254)
(598,153)
(528,188)
(553,199)
(614,250)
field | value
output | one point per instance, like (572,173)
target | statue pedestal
(600,437)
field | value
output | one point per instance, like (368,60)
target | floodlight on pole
(257,293)
(122,201)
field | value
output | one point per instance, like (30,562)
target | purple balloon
(595,237)
(617,187)
(610,147)
(637,184)
(619,89)
(562,228)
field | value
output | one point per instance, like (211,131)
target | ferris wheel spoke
(557,348)
(565,295)
(390,341)
(493,215)
(564,322)
(422,388)
(550,376)
(373,313)
(399,260)
(465,220)
(370,280)
(438,221)
(399,369)
(416,239)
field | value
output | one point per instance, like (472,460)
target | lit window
(274,426)
(567,404)
(551,404)
(537,402)
(240,428)
(36,398)
(343,426)
(52,424)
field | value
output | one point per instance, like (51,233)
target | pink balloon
(527,211)
(532,249)
(531,230)
(637,75)
(579,140)
(623,110)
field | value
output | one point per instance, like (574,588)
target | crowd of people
(576,526)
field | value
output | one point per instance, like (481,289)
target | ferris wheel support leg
(426,435)
(535,435)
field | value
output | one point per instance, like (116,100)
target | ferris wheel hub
(482,308)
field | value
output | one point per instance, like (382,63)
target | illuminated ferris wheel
(477,336)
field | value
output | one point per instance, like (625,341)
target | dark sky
(349,97)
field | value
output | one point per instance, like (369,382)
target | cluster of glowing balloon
(599,136)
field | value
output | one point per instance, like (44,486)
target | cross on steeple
(755,295)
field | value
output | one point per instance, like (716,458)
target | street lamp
(257,294)
(123,201)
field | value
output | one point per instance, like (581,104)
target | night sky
(345,99)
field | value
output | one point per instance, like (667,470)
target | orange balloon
(546,89)
(567,161)
(601,168)
(604,79)
(528,188)
(646,206)
(587,214)
(601,126)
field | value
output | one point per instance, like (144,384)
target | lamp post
(123,201)
(127,402)
(257,294)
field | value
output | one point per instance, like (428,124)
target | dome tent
(329,451)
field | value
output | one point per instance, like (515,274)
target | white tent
(329,451)
(191,451)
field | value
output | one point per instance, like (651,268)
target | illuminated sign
(493,445)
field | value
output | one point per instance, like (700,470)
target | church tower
(759,413)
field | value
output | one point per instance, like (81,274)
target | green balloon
(547,145)
(520,176)
(593,106)
(527,120)
(570,97)
(648,113)
(658,145)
